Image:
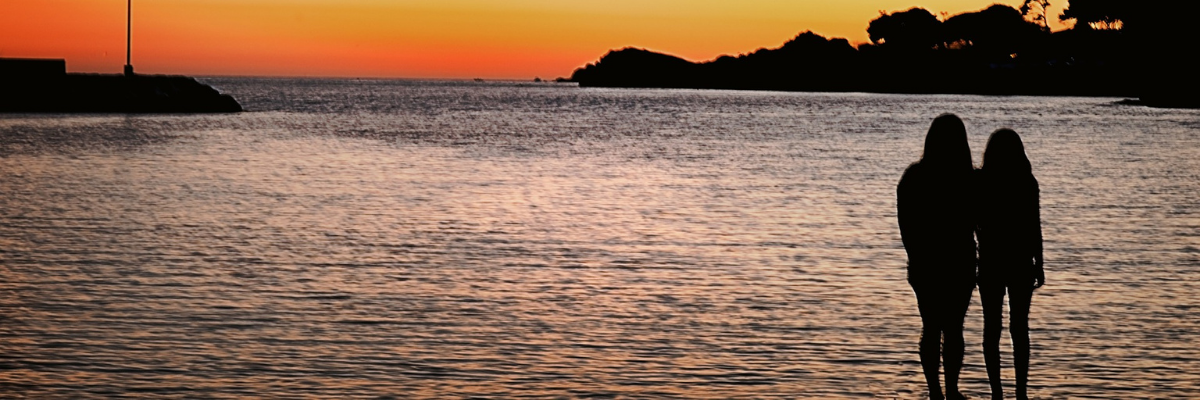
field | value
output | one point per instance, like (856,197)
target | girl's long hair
(946,147)
(1005,154)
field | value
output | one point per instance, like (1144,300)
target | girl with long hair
(935,203)
(1010,252)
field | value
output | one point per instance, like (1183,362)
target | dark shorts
(1014,273)
(943,301)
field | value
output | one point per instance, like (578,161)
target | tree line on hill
(1116,48)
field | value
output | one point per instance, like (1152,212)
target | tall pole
(128,36)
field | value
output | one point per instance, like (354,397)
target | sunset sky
(494,39)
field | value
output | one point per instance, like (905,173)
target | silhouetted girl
(935,210)
(1010,252)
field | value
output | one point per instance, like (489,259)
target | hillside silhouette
(1114,49)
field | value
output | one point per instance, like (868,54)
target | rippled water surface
(363,239)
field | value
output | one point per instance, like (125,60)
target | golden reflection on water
(659,244)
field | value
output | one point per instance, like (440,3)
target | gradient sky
(495,39)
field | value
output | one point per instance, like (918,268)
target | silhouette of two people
(944,203)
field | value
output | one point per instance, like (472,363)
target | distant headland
(44,86)
(1120,50)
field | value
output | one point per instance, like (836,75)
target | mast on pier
(128,36)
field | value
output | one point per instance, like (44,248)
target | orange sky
(497,39)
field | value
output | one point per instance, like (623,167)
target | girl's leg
(955,311)
(1019,297)
(927,304)
(992,298)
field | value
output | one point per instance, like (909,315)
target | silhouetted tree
(997,50)
(1036,10)
(1104,14)
(1161,33)
(795,64)
(996,31)
(914,29)
(811,46)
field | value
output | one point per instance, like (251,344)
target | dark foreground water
(363,239)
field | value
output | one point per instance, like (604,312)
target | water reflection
(554,242)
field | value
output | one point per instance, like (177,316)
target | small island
(1114,49)
(44,86)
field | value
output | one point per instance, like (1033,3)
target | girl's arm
(1039,273)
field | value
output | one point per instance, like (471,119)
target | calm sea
(408,239)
